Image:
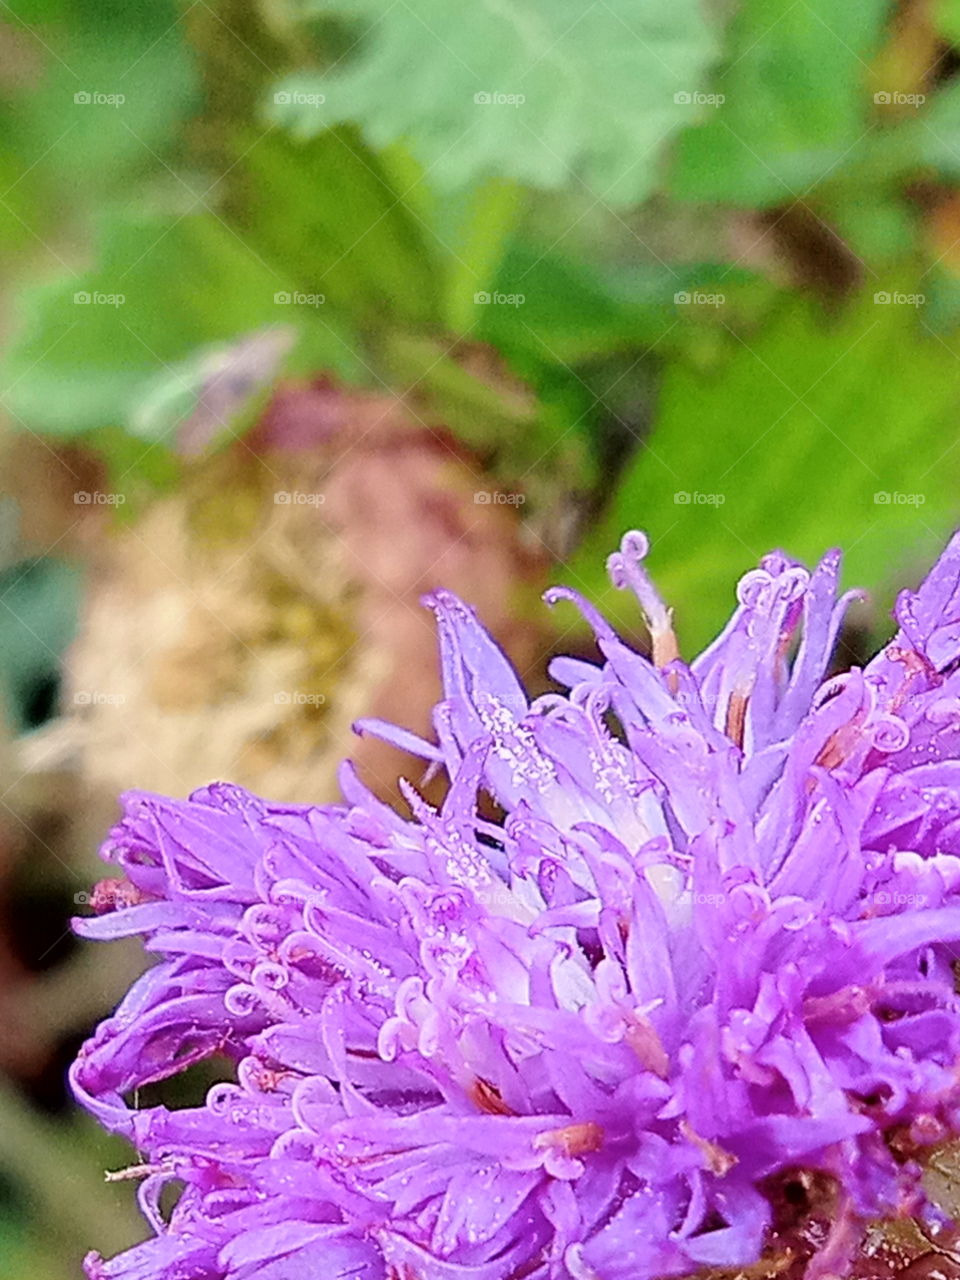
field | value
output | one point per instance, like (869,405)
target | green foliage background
(787,163)
(733,227)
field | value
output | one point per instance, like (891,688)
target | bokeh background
(311,307)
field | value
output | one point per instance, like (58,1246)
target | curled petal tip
(636,544)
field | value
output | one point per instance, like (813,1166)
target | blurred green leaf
(22,213)
(946,16)
(794,102)
(481,401)
(541,91)
(39,602)
(920,138)
(119,81)
(29,12)
(474,226)
(90,351)
(935,134)
(805,433)
(573,310)
(215,389)
(877,229)
(326,213)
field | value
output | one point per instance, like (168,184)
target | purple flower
(709,941)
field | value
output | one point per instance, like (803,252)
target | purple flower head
(710,941)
